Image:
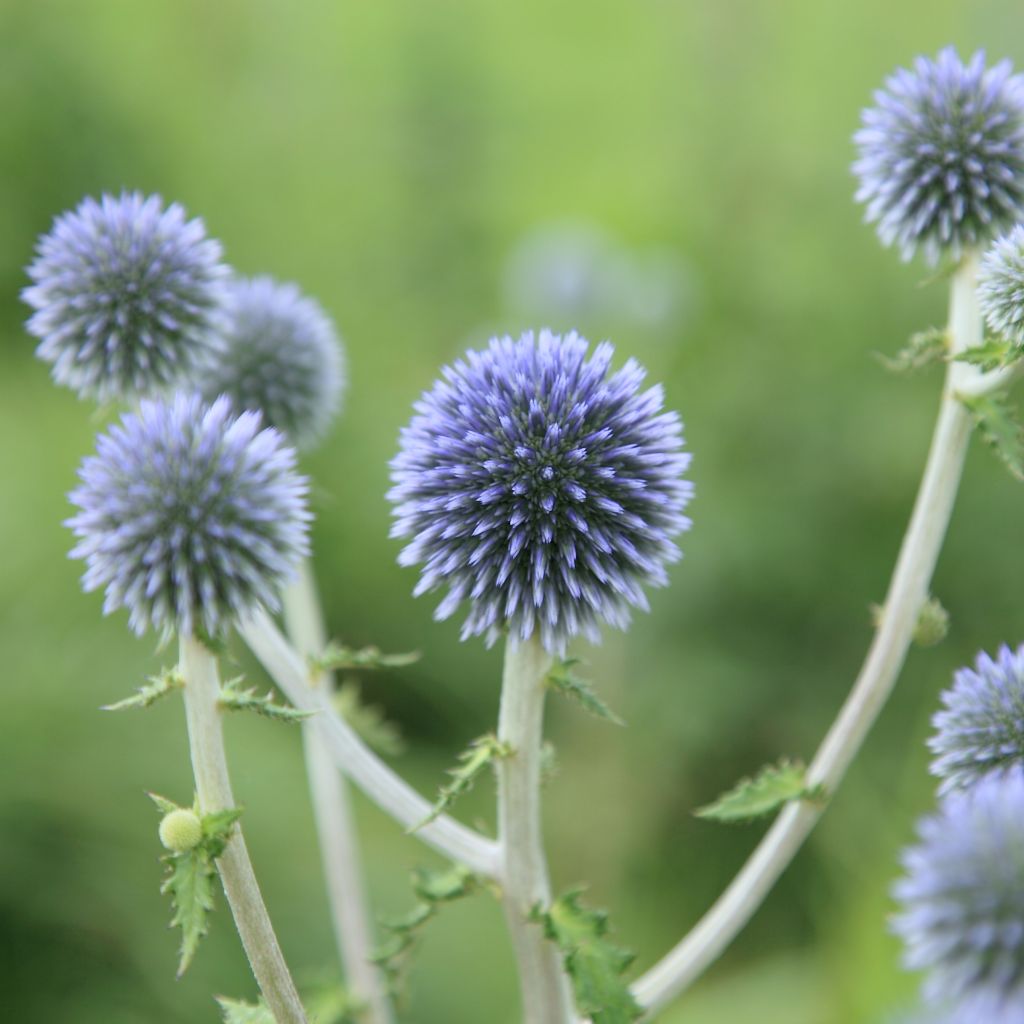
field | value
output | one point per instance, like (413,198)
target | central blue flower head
(540,488)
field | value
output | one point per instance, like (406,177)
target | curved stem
(213,785)
(335,825)
(544,988)
(383,786)
(907,592)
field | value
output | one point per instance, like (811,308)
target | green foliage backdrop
(389,157)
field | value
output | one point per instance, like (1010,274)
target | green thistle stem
(209,766)
(346,891)
(908,591)
(544,988)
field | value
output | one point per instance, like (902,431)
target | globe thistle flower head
(540,488)
(980,729)
(281,356)
(127,296)
(189,516)
(1001,286)
(962,899)
(941,155)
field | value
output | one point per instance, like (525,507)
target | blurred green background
(674,176)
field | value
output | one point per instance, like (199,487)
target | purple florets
(941,161)
(981,728)
(962,916)
(189,516)
(1001,286)
(281,356)
(126,295)
(540,489)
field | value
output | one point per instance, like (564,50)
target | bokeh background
(673,176)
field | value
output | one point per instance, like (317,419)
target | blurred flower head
(127,296)
(540,488)
(1001,286)
(981,727)
(962,899)
(572,273)
(281,356)
(941,154)
(189,516)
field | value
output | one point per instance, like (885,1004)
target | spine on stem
(213,785)
(544,987)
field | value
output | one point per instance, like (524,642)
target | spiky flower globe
(190,517)
(962,898)
(281,356)
(981,727)
(127,296)
(941,155)
(1001,286)
(540,488)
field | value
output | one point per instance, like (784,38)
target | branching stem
(213,785)
(907,593)
(382,785)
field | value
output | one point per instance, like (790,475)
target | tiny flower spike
(281,356)
(962,899)
(540,489)
(981,727)
(127,297)
(1001,286)
(941,155)
(189,516)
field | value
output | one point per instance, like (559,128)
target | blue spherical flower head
(281,356)
(981,727)
(190,517)
(1001,286)
(941,162)
(127,297)
(962,913)
(540,488)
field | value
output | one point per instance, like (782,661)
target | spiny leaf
(155,687)
(773,786)
(217,829)
(337,657)
(923,349)
(997,422)
(237,1012)
(992,354)
(594,965)
(369,721)
(234,698)
(434,889)
(191,875)
(190,884)
(163,805)
(481,752)
(333,1004)
(563,680)
(445,885)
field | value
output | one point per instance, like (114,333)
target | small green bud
(181,830)
(932,624)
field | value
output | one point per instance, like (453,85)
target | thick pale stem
(907,592)
(544,988)
(335,825)
(386,789)
(213,785)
